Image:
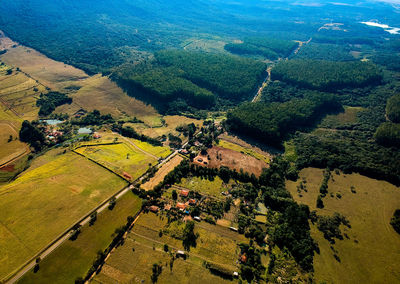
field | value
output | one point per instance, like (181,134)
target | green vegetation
(266,47)
(230,77)
(395,221)
(388,134)
(389,60)
(327,75)
(272,122)
(30,134)
(330,52)
(393,108)
(48,102)
(73,258)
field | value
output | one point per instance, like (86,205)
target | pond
(53,121)
(84,130)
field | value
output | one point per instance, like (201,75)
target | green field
(204,186)
(120,158)
(247,151)
(370,253)
(74,258)
(215,244)
(45,201)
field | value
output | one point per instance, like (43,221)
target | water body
(53,121)
(84,130)
(387,28)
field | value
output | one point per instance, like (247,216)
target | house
(181,253)
(184,152)
(235,274)
(181,206)
(167,207)
(96,135)
(243,258)
(154,208)
(184,192)
(192,201)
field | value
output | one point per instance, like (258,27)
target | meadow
(245,150)
(47,199)
(144,246)
(120,158)
(162,172)
(369,253)
(73,258)
(204,186)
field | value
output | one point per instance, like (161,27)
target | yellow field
(12,149)
(46,200)
(74,258)
(120,158)
(247,151)
(171,123)
(371,253)
(215,244)
(162,172)
(94,92)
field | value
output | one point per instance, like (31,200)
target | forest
(272,122)
(327,75)
(177,80)
(267,47)
(318,51)
(393,108)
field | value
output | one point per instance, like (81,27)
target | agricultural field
(251,151)
(162,172)
(87,92)
(47,199)
(73,258)
(368,252)
(171,122)
(232,159)
(120,158)
(205,186)
(10,146)
(133,261)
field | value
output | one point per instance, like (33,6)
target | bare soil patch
(229,158)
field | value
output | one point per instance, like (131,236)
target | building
(184,192)
(181,206)
(154,208)
(192,201)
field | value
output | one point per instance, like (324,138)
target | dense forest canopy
(327,75)
(271,122)
(267,47)
(393,108)
(331,52)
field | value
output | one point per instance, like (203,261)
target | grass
(170,125)
(46,200)
(243,150)
(204,186)
(158,151)
(120,158)
(349,116)
(162,172)
(215,244)
(370,253)
(13,148)
(74,258)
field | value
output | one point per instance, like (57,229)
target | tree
(189,237)
(166,248)
(174,195)
(157,269)
(320,203)
(395,221)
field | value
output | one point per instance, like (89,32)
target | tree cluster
(48,102)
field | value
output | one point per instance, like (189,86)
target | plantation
(361,255)
(46,200)
(327,75)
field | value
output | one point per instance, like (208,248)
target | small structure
(192,201)
(154,208)
(181,206)
(197,218)
(184,192)
(127,176)
(181,253)
(243,258)
(233,229)
(167,207)
(235,274)
(96,135)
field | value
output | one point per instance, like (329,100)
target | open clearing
(215,244)
(371,253)
(162,172)
(10,149)
(170,125)
(248,150)
(74,258)
(87,92)
(231,159)
(45,201)
(120,158)
(204,186)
